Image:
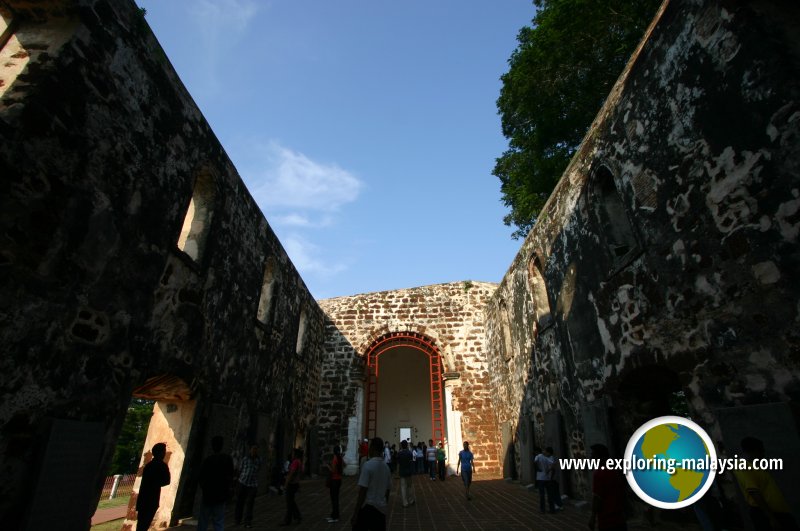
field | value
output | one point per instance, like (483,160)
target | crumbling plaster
(701,136)
(101,147)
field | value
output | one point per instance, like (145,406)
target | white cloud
(304,256)
(220,24)
(300,197)
(228,18)
(302,221)
(292,220)
(289,179)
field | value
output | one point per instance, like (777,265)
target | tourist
(608,495)
(335,482)
(441,461)
(387,455)
(216,477)
(154,476)
(466,466)
(374,485)
(544,475)
(430,458)
(292,486)
(248,486)
(767,507)
(405,461)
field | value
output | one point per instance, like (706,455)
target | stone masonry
(662,269)
(108,290)
(452,316)
(659,278)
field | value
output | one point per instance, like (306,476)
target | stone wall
(659,277)
(105,292)
(451,315)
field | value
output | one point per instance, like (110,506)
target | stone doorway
(171,423)
(405,389)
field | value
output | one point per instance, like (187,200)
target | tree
(131,439)
(559,75)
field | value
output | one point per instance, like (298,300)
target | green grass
(116,502)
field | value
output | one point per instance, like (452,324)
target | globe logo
(672,462)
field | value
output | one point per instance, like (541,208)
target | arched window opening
(505,323)
(615,227)
(197,223)
(13,56)
(301,332)
(267,289)
(538,289)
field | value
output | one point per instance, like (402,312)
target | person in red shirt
(608,495)
(336,469)
(292,486)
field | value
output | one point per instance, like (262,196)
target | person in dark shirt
(154,476)
(216,478)
(608,495)
(248,487)
(405,460)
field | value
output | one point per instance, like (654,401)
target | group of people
(768,509)
(219,482)
(426,458)
(375,481)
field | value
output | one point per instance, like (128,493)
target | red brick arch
(416,341)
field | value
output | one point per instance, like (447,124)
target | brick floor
(496,505)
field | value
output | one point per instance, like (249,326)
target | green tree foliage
(131,440)
(559,75)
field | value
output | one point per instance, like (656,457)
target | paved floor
(496,505)
(106,515)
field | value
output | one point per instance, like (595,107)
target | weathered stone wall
(451,315)
(100,152)
(670,246)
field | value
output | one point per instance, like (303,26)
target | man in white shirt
(544,464)
(374,485)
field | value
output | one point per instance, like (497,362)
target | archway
(171,423)
(403,366)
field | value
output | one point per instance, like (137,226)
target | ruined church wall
(100,150)
(689,286)
(449,314)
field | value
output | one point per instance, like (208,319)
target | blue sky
(366,130)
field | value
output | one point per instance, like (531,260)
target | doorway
(171,423)
(405,370)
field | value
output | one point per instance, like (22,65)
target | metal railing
(118,485)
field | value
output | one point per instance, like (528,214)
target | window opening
(301,332)
(267,288)
(615,227)
(13,56)
(197,223)
(505,324)
(538,289)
